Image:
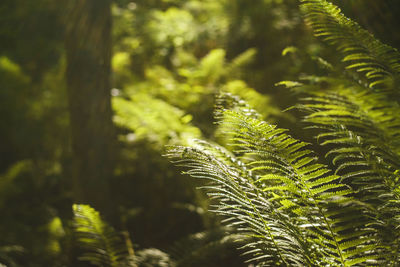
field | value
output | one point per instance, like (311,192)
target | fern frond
(379,63)
(299,183)
(244,205)
(273,188)
(361,130)
(102,245)
(360,127)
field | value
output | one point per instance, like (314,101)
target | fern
(299,212)
(102,245)
(234,201)
(360,129)
(379,63)
(273,189)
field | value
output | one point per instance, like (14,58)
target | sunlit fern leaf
(232,187)
(273,188)
(289,170)
(379,63)
(358,127)
(361,131)
(101,244)
(226,100)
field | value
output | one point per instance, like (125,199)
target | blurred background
(92,91)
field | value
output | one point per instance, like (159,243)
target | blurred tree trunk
(88,47)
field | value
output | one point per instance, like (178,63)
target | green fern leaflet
(102,245)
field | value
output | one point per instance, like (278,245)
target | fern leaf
(363,144)
(379,63)
(264,143)
(272,188)
(244,204)
(102,245)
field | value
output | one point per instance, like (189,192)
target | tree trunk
(88,45)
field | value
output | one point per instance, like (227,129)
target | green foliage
(105,247)
(271,187)
(170,58)
(102,245)
(7,185)
(378,63)
(154,120)
(360,126)
(155,108)
(174,26)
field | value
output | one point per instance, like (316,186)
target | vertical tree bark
(88,45)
